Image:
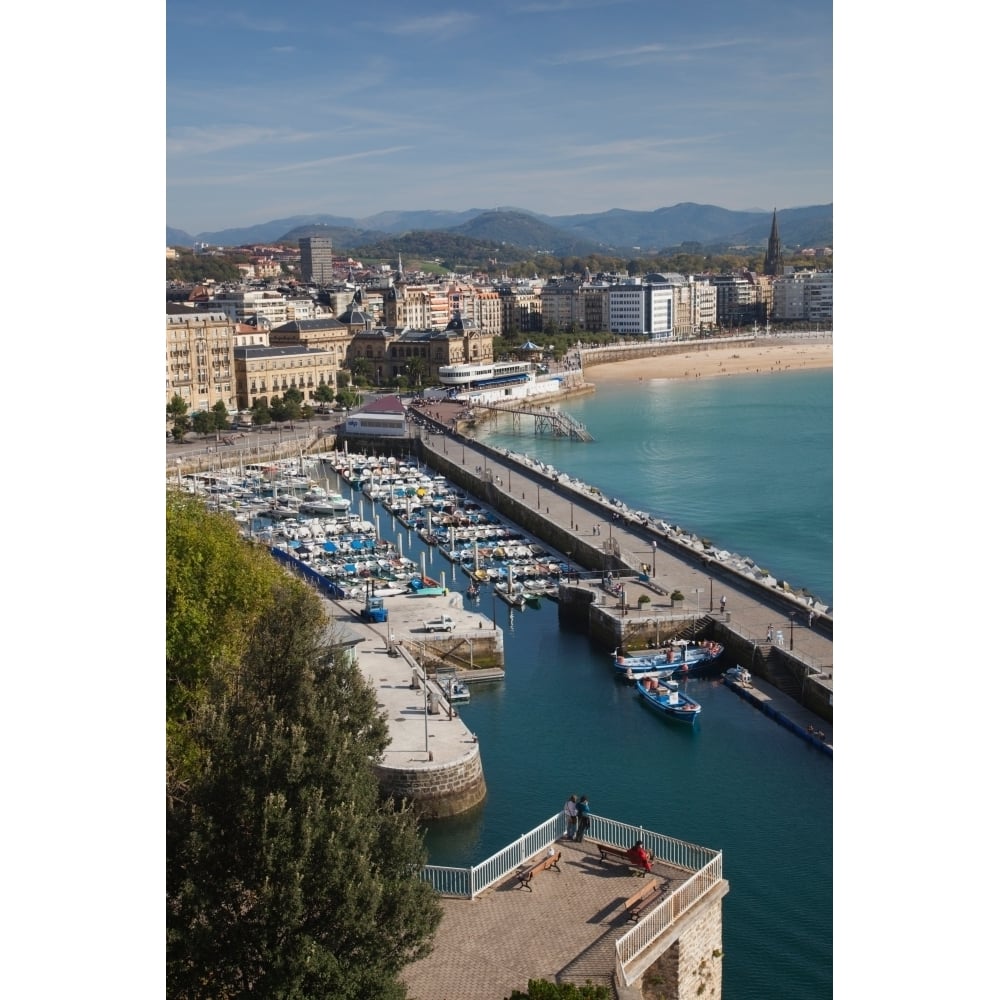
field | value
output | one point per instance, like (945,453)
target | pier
(648,558)
(547,419)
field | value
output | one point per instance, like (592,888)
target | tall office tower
(317,259)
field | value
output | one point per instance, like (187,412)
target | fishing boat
(668,700)
(680,657)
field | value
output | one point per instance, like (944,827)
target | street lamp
(791,631)
(654,557)
(538,491)
(699,591)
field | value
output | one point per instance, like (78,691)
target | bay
(745,461)
(748,463)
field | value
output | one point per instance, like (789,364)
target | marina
(550,666)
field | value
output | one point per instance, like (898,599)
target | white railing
(469,882)
(650,927)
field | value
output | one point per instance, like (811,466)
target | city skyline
(556,106)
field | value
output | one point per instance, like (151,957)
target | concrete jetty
(595,533)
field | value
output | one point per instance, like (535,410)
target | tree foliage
(288,874)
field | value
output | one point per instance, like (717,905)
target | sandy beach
(727,359)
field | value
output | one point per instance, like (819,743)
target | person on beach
(570,812)
(582,818)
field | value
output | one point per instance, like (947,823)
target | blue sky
(555,106)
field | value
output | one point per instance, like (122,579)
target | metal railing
(468,882)
(631,944)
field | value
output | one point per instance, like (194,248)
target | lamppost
(571,525)
(654,557)
(494,595)
(699,591)
(538,491)
(791,631)
(463,453)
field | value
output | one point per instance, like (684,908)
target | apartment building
(199,358)
(804,296)
(642,308)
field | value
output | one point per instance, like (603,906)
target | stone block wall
(437,790)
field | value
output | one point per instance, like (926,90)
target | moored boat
(680,657)
(668,700)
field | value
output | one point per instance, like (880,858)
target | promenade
(749,606)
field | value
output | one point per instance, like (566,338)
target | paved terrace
(563,930)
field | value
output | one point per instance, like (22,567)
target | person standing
(582,818)
(569,811)
(722,604)
(770,633)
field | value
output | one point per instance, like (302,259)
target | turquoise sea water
(747,463)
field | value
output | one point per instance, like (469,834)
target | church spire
(774,263)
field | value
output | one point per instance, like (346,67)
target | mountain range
(616,232)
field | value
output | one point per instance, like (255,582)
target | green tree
(203,422)
(180,427)
(362,370)
(324,394)
(260,414)
(288,873)
(220,416)
(177,407)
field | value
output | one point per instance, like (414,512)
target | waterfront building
(737,299)
(316,259)
(263,372)
(383,417)
(804,296)
(199,358)
(562,303)
(642,308)
(520,308)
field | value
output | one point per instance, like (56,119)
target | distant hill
(617,231)
(529,232)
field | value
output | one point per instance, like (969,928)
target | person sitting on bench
(639,856)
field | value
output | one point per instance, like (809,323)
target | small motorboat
(739,676)
(457,691)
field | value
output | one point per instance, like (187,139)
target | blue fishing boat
(669,700)
(681,657)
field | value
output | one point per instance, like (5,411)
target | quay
(647,560)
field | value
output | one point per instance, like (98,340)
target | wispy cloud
(635,52)
(199,141)
(562,6)
(444,25)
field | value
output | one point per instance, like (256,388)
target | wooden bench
(649,895)
(611,853)
(550,861)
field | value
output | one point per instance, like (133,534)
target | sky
(553,106)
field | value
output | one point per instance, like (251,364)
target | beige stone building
(199,358)
(263,372)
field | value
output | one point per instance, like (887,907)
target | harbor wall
(437,790)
